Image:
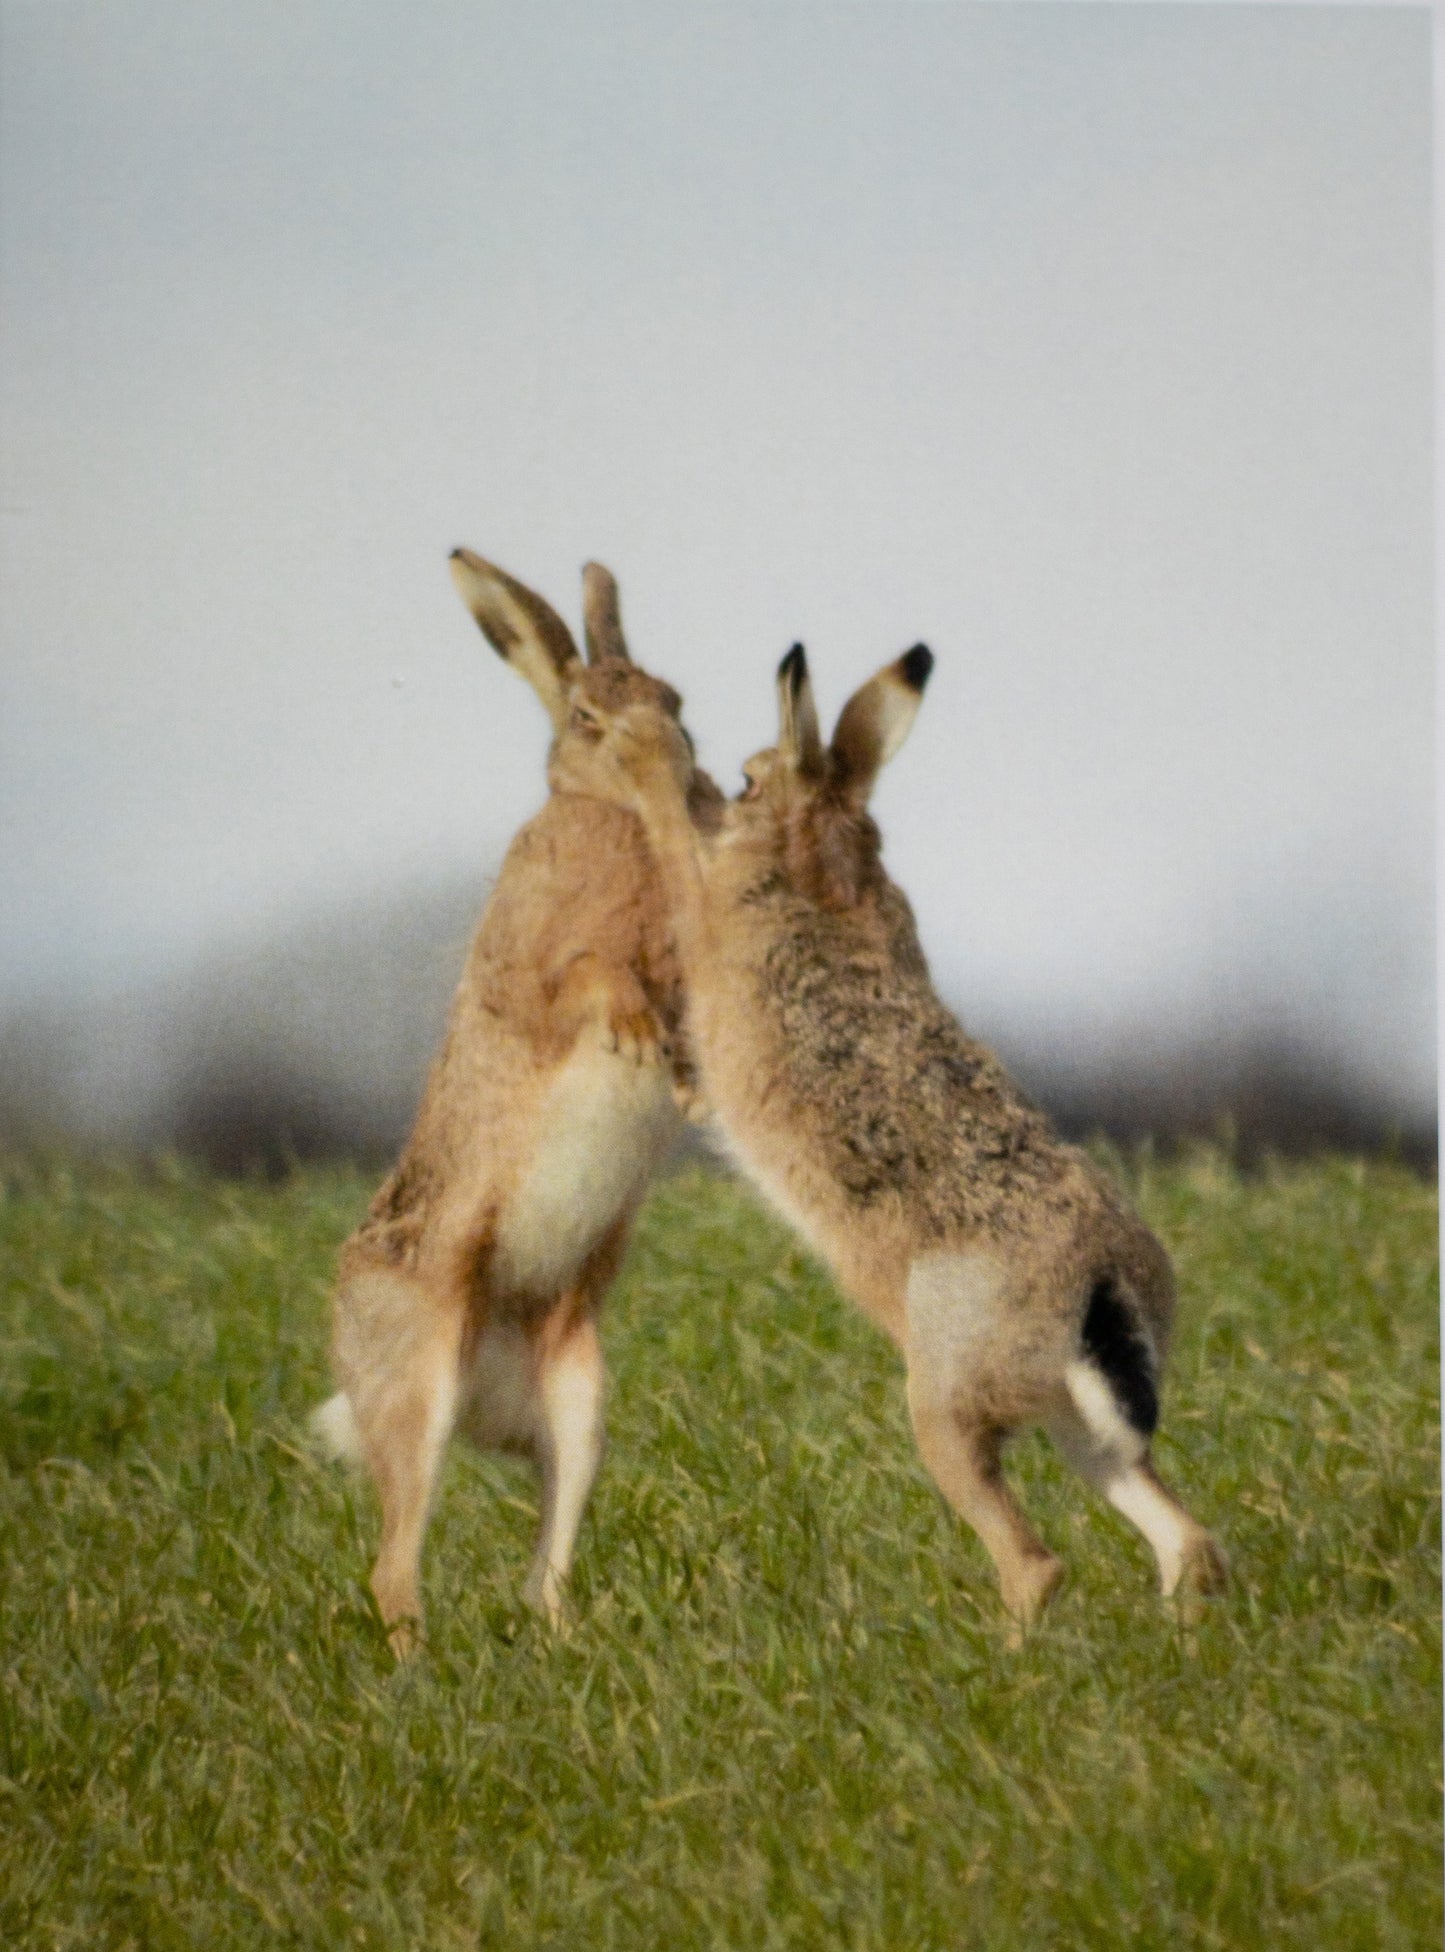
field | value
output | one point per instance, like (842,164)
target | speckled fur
(898,1146)
(474,1281)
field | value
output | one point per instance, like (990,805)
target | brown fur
(938,1194)
(468,1295)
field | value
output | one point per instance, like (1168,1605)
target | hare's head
(807,803)
(580,698)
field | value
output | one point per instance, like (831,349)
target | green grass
(784,1716)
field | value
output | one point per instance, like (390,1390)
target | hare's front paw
(636,1034)
(639,753)
(691,1103)
(687,1093)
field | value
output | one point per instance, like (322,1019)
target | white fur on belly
(605,1127)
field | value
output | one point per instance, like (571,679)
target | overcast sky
(1090,344)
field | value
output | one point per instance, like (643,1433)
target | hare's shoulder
(576,872)
(572,826)
(569,885)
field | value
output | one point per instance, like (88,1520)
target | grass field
(784,1716)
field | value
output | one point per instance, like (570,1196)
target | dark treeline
(265,1115)
(313,1044)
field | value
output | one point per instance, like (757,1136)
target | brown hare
(1016,1282)
(467,1298)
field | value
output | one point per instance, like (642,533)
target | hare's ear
(523,629)
(602,617)
(875,722)
(799,739)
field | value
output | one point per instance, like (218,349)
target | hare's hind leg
(398,1355)
(966,1459)
(570,1392)
(1116,1462)
(953,1303)
(570,1396)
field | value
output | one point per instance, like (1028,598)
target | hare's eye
(750,788)
(585,723)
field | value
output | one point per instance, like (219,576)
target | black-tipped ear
(799,739)
(520,627)
(602,617)
(875,722)
(914,667)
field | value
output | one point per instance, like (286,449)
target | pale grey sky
(1091,344)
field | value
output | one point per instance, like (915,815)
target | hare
(468,1296)
(1012,1276)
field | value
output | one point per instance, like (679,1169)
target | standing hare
(468,1296)
(1016,1282)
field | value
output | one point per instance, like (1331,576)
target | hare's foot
(405,1637)
(1203,1577)
(1028,1586)
(545,1594)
